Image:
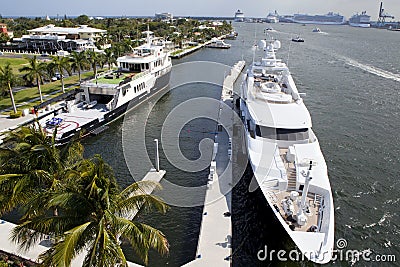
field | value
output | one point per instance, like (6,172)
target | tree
(82,20)
(79,62)
(109,58)
(8,79)
(4,38)
(35,71)
(94,59)
(118,49)
(102,41)
(95,216)
(60,64)
(30,165)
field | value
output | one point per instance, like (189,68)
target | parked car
(56,77)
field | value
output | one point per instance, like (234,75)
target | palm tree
(31,164)
(102,40)
(94,60)
(79,62)
(8,79)
(95,216)
(117,49)
(60,64)
(35,71)
(109,58)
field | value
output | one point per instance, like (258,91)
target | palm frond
(65,250)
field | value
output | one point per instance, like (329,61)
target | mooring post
(157,156)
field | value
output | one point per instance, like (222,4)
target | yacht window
(282,133)
(134,67)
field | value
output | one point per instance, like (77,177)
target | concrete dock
(214,247)
(32,254)
(193,49)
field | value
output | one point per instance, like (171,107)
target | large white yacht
(99,101)
(285,155)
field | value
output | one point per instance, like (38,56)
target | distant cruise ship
(360,20)
(273,17)
(239,16)
(328,19)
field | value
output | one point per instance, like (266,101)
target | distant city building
(54,38)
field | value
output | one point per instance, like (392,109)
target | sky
(226,8)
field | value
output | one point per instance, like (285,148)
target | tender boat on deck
(285,155)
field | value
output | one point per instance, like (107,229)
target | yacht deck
(79,117)
(276,197)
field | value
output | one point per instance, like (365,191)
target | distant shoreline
(116,16)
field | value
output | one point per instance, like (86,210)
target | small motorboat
(316,30)
(216,43)
(298,39)
(232,36)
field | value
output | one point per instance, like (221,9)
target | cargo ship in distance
(99,101)
(360,20)
(327,19)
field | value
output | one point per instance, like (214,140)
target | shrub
(15,115)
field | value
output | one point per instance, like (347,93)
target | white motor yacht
(99,101)
(217,43)
(285,155)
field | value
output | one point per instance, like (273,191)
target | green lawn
(176,52)
(16,63)
(115,81)
(30,93)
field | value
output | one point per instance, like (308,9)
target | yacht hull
(318,250)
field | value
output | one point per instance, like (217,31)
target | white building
(50,37)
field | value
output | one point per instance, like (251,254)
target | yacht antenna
(148,35)
(255,43)
(288,56)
